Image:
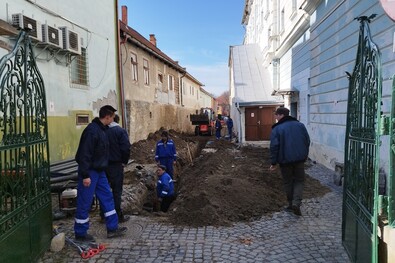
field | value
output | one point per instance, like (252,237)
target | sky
(196,33)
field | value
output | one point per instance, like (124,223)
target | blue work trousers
(99,186)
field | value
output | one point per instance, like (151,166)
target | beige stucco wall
(146,117)
(154,106)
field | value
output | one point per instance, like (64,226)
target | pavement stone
(282,237)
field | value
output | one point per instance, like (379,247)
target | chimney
(152,39)
(125,14)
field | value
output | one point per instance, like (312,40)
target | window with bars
(79,69)
(133,61)
(146,71)
(171,82)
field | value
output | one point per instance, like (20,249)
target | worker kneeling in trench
(164,188)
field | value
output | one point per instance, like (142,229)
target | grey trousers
(293,179)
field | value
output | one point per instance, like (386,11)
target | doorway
(259,121)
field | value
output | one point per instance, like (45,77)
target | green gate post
(391,185)
(360,196)
(25,198)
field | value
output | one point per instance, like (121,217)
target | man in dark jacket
(229,124)
(218,128)
(119,156)
(165,153)
(289,147)
(92,158)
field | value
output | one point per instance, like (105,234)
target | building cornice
(309,6)
(297,31)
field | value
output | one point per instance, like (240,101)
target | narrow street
(229,236)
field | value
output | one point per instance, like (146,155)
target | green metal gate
(360,204)
(25,199)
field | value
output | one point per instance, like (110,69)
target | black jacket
(119,144)
(289,142)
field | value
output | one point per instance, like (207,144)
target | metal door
(25,204)
(360,209)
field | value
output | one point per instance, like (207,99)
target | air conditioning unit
(52,36)
(24,22)
(71,41)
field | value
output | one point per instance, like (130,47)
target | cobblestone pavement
(282,237)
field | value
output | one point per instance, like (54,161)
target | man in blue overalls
(92,158)
(166,153)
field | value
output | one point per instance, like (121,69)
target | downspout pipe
(239,128)
(120,69)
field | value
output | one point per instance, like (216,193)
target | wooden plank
(7,29)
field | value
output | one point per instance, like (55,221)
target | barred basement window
(79,69)
(82,119)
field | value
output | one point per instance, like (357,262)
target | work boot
(120,231)
(86,238)
(123,218)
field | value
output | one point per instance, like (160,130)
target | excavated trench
(139,196)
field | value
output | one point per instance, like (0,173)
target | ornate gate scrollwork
(360,209)
(25,204)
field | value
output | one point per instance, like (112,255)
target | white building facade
(75,48)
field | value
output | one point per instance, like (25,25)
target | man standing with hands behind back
(119,156)
(289,147)
(92,158)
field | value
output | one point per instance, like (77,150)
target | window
(171,82)
(294,9)
(82,119)
(146,71)
(79,69)
(160,81)
(282,21)
(133,60)
(294,3)
(191,90)
(183,88)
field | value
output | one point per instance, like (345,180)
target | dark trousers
(115,177)
(218,133)
(166,202)
(293,179)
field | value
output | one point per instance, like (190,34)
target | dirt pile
(224,184)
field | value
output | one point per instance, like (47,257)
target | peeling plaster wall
(98,35)
(148,117)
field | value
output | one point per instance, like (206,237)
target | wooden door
(258,123)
